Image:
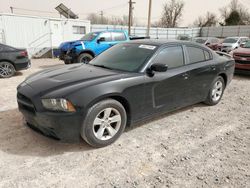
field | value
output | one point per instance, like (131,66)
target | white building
(39,34)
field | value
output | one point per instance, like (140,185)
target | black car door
(167,90)
(202,71)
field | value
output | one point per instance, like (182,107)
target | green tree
(234,18)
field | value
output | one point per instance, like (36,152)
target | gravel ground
(198,146)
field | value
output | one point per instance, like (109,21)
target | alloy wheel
(107,123)
(217,91)
(6,69)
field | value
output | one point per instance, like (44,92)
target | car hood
(228,44)
(67,76)
(242,50)
(65,46)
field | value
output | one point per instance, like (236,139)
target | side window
(107,36)
(171,56)
(196,54)
(207,55)
(118,36)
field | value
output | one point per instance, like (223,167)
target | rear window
(196,54)
(118,36)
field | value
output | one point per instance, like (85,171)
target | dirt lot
(199,146)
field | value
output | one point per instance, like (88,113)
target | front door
(167,90)
(103,45)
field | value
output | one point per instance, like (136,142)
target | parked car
(231,43)
(210,42)
(242,58)
(89,46)
(12,60)
(128,83)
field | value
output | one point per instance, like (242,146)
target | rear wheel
(104,123)
(84,58)
(216,91)
(6,70)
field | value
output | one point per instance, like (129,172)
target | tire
(84,58)
(7,70)
(97,130)
(216,91)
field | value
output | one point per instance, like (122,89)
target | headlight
(58,105)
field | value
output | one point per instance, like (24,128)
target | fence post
(222,31)
(207,31)
(239,31)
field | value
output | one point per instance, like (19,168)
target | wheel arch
(6,60)
(118,98)
(88,52)
(224,76)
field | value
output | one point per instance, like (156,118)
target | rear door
(202,71)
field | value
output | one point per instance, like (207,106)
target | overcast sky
(192,9)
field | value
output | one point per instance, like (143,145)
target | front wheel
(7,70)
(216,91)
(104,123)
(84,58)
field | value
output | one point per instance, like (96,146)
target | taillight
(24,53)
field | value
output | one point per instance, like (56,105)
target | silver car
(231,43)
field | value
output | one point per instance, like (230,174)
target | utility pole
(130,14)
(101,17)
(149,17)
(11,10)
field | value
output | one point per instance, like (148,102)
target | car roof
(161,42)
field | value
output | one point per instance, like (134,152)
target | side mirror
(102,39)
(241,45)
(158,67)
(207,44)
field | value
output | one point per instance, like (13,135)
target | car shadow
(18,139)
(18,74)
(164,115)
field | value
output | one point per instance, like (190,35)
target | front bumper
(58,125)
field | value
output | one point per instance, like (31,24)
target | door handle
(185,76)
(213,67)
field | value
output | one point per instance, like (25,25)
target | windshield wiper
(102,66)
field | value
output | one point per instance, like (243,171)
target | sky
(192,10)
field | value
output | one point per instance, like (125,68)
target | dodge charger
(128,83)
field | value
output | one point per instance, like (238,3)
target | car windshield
(128,57)
(201,41)
(247,45)
(89,36)
(230,40)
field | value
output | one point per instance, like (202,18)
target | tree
(230,11)
(172,13)
(206,21)
(233,18)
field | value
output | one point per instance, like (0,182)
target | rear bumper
(22,65)
(245,65)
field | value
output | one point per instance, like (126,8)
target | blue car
(89,46)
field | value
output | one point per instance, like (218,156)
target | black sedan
(12,60)
(128,83)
